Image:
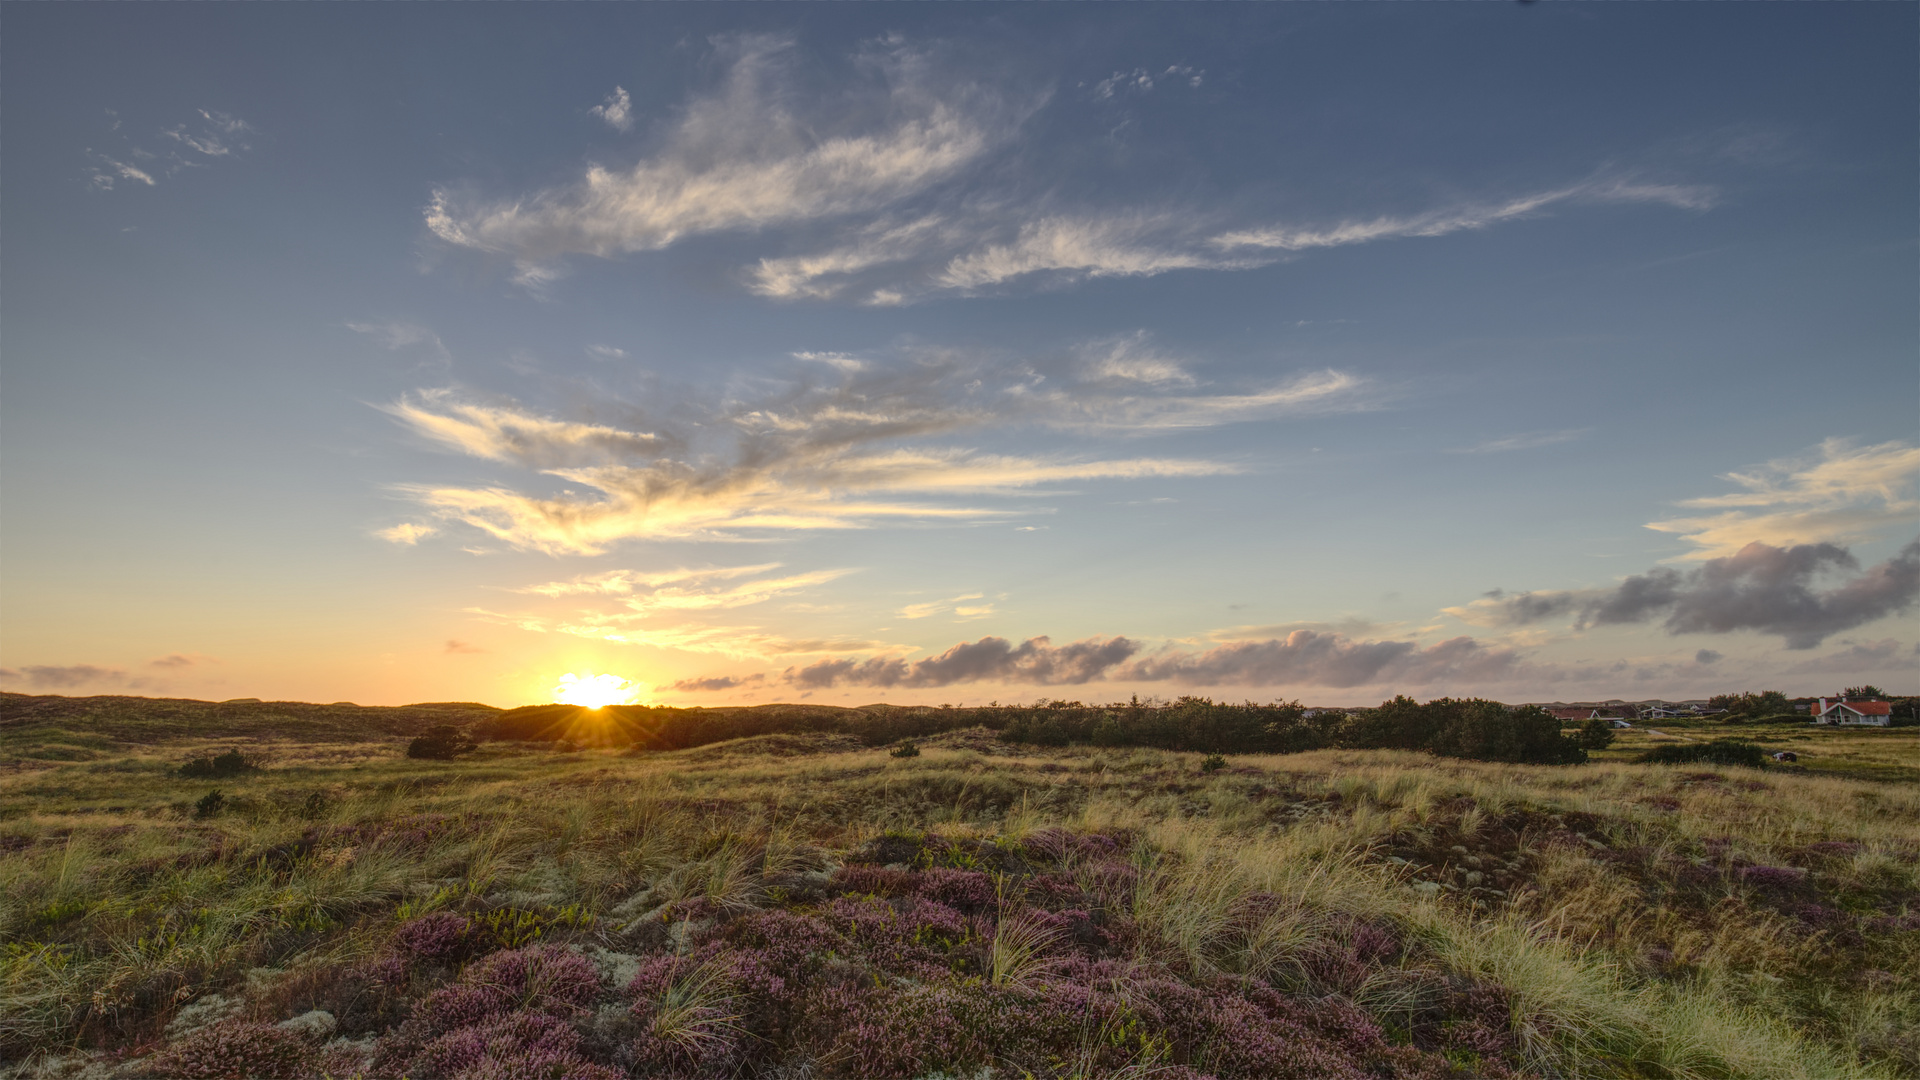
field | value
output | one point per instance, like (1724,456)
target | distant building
(1584,712)
(1869,713)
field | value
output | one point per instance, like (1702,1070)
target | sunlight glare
(595,691)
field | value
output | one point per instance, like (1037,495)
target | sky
(955,354)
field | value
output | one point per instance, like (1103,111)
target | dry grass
(118,906)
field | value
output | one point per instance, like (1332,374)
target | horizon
(724,356)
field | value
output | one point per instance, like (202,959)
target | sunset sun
(596,691)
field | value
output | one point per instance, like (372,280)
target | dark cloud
(43,677)
(1855,658)
(1304,658)
(174,661)
(1707,656)
(1307,658)
(1760,587)
(1036,660)
(718,682)
(462,647)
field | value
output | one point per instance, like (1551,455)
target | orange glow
(596,691)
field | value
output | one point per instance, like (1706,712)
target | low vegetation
(812,902)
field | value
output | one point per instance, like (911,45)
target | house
(1584,712)
(1671,712)
(1622,723)
(1873,713)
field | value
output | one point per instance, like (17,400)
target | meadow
(814,903)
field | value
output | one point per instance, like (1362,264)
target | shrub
(1595,734)
(905,750)
(443,742)
(233,1049)
(1213,764)
(210,804)
(1717,752)
(219,766)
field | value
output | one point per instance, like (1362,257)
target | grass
(952,910)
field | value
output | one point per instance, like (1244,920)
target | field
(807,904)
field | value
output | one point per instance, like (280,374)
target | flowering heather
(537,980)
(232,1050)
(441,936)
(506,1047)
(1773,877)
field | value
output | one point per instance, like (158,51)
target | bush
(905,750)
(1475,729)
(1595,734)
(443,742)
(220,766)
(1213,764)
(210,804)
(1717,752)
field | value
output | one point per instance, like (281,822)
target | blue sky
(959,354)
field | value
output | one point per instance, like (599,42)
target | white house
(1873,713)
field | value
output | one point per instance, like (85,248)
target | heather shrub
(1717,752)
(220,766)
(541,979)
(441,936)
(442,742)
(234,1050)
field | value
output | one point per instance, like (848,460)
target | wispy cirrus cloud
(859,189)
(1531,440)
(406,337)
(1838,492)
(189,145)
(840,448)
(744,158)
(982,247)
(960,607)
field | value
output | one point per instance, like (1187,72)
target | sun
(595,691)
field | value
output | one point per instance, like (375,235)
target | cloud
(1882,655)
(214,135)
(102,179)
(626,628)
(1141,81)
(217,135)
(982,246)
(1529,441)
(617,111)
(462,647)
(1072,249)
(407,532)
(1707,656)
(401,337)
(956,606)
(606,352)
(820,451)
(1838,492)
(43,677)
(686,590)
(641,600)
(177,661)
(1035,661)
(1760,587)
(1448,220)
(718,682)
(742,159)
(1302,658)
(1311,658)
